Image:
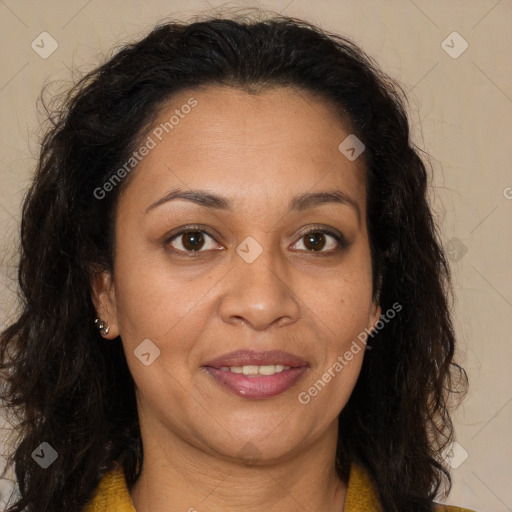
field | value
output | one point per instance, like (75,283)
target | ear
(375,309)
(375,313)
(104,299)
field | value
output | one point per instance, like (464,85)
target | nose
(260,293)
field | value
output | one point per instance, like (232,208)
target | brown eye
(314,241)
(192,241)
(320,240)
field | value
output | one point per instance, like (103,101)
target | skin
(258,151)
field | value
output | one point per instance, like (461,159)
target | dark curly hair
(69,388)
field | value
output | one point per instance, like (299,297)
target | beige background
(460,110)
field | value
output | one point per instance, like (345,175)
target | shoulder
(451,508)
(362,493)
(111,495)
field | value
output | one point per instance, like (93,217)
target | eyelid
(188,229)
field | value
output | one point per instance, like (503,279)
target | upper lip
(257,358)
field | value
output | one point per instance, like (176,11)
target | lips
(255,358)
(244,372)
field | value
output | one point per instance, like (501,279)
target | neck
(177,475)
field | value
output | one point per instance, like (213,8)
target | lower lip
(260,386)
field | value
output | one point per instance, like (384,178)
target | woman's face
(248,276)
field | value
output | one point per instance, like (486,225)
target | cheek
(152,299)
(331,382)
(342,302)
(172,319)
(172,328)
(171,311)
(341,306)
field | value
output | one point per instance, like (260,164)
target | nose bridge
(257,263)
(259,292)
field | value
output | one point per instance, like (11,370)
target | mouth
(253,374)
(252,370)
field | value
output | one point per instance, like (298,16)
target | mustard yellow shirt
(112,494)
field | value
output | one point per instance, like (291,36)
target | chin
(259,444)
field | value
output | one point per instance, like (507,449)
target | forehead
(275,143)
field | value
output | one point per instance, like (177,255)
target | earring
(102,326)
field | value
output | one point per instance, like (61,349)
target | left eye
(318,240)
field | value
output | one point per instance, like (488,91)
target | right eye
(191,240)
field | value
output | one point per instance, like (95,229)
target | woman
(233,290)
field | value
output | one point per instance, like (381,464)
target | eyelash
(340,239)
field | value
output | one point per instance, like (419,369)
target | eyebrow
(298,203)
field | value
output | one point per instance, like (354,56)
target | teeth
(269,369)
(253,370)
(250,370)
